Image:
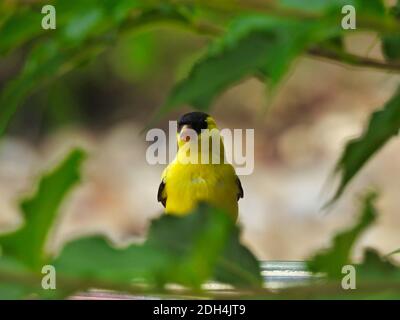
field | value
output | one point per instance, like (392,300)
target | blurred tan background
(298,140)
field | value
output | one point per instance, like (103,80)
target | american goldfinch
(184,183)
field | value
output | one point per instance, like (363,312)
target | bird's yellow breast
(189,184)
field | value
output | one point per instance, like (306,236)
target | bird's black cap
(195,120)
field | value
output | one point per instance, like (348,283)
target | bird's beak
(186,133)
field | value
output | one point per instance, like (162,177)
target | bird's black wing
(160,197)
(239,184)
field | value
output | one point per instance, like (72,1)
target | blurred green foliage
(27,243)
(190,250)
(383,125)
(391,42)
(201,246)
(187,251)
(250,38)
(331,260)
(255,45)
(136,57)
(376,276)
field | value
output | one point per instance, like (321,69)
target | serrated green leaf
(185,250)
(238,266)
(330,261)
(253,45)
(27,244)
(383,125)
(218,71)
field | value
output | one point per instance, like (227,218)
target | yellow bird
(190,178)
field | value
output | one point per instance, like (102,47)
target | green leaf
(18,281)
(376,277)
(336,43)
(391,47)
(9,288)
(12,291)
(391,42)
(375,268)
(330,261)
(317,6)
(27,244)
(20,27)
(80,20)
(383,125)
(238,266)
(135,58)
(253,45)
(185,250)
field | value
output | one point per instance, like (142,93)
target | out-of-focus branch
(343,57)
(272,8)
(140,20)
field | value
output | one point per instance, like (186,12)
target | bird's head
(191,124)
